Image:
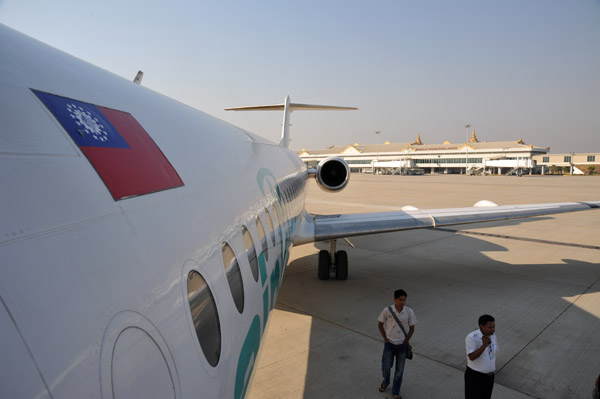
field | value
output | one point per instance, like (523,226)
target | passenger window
(270,223)
(263,238)
(205,317)
(234,276)
(250,252)
(275,210)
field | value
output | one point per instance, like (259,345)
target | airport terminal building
(474,157)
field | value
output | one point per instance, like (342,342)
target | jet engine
(332,174)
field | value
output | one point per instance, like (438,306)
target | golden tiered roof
(418,140)
(473,138)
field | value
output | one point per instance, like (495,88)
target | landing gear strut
(333,263)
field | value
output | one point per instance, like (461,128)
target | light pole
(467,126)
(377,134)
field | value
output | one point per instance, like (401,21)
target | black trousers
(478,385)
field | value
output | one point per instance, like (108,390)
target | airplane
(133,262)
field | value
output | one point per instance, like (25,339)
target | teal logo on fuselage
(270,189)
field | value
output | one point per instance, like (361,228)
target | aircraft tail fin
(288,107)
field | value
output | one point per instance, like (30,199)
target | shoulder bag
(409,353)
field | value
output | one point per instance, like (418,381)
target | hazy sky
(512,68)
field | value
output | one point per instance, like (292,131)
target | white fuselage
(94,292)
(143,242)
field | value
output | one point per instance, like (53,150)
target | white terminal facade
(474,157)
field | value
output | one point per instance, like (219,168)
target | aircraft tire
(341,265)
(324,265)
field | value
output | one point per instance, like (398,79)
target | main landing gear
(332,263)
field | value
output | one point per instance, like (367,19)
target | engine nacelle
(332,174)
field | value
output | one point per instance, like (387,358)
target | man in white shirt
(396,341)
(482,347)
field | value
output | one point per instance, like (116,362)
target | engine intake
(332,174)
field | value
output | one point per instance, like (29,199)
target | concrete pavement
(539,277)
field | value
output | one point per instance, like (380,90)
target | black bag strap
(398,321)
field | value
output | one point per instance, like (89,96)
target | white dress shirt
(486,363)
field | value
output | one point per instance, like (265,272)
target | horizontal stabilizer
(293,107)
(287,107)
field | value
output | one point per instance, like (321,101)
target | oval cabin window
(205,317)
(270,223)
(250,252)
(263,238)
(275,213)
(234,276)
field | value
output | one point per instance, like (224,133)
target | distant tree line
(565,170)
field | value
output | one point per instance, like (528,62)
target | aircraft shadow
(546,305)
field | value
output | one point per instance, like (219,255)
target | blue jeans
(391,351)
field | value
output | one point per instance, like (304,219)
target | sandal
(382,388)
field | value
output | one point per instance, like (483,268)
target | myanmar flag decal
(123,154)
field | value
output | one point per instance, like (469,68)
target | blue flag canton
(85,123)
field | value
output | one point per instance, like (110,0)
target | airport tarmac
(539,277)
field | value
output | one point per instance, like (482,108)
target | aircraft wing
(328,227)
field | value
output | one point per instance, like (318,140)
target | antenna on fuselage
(138,78)
(288,107)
